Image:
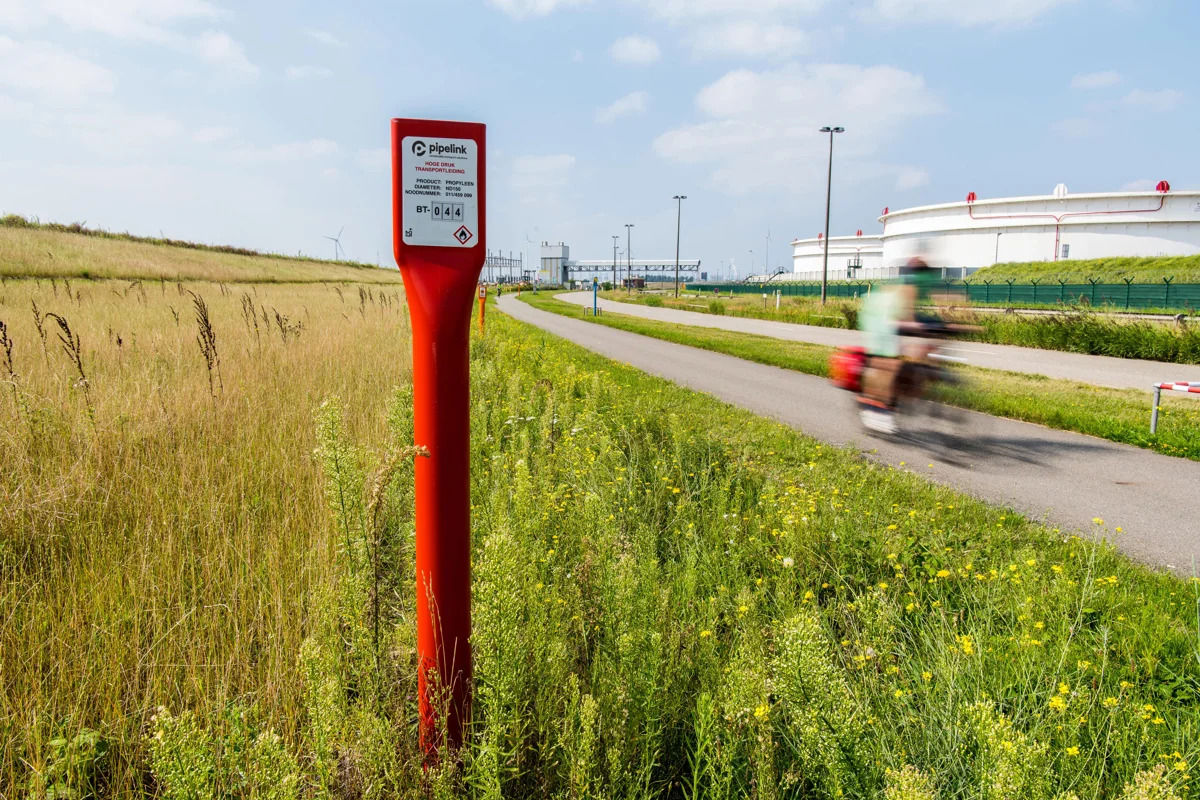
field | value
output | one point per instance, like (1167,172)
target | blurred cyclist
(897,310)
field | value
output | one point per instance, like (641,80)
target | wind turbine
(529,241)
(337,244)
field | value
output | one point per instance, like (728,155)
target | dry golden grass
(161,543)
(45,254)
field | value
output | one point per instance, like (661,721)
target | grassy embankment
(1181,269)
(1114,414)
(672,597)
(33,250)
(1090,334)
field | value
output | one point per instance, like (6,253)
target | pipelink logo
(419,149)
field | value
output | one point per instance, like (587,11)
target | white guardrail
(1170,386)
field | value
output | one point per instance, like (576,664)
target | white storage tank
(976,233)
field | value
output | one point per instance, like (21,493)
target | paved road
(1064,479)
(1120,373)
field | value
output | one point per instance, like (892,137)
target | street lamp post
(628,259)
(615,238)
(679,198)
(828,193)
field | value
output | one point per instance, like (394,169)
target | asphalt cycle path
(1064,479)
(1118,373)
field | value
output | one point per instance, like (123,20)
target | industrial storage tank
(976,233)
(850,257)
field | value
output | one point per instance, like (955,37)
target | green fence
(1165,294)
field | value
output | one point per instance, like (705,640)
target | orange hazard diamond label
(463,235)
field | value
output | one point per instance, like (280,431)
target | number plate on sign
(439,183)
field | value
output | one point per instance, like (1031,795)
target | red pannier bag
(846,367)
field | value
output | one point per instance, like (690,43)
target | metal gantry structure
(499,268)
(647,270)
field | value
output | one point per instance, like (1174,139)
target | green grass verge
(1183,269)
(1113,414)
(1079,332)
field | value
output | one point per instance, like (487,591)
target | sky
(265,124)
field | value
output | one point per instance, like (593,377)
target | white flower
(789,562)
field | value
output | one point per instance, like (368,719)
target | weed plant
(1094,335)
(672,597)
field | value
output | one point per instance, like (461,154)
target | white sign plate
(439,178)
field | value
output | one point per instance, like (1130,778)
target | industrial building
(971,234)
(558,267)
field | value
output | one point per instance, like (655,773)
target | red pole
(441,423)
(432,204)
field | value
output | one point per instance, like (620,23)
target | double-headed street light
(828,192)
(679,198)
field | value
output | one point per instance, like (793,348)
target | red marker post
(482,303)
(438,191)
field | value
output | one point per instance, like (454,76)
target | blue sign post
(595,290)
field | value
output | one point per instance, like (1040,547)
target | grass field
(205,509)
(1182,269)
(1114,414)
(1081,332)
(164,540)
(28,250)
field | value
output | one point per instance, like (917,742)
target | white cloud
(374,158)
(220,50)
(45,67)
(539,177)
(1162,100)
(331,173)
(635,50)
(15,110)
(911,178)
(963,12)
(288,151)
(1076,127)
(109,130)
(147,20)
(325,37)
(532,8)
(153,21)
(303,71)
(632,103)
(577,57)
(679,10)
(69,102)
(211,133)
(749,38)
(1096,80)
(762,127)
